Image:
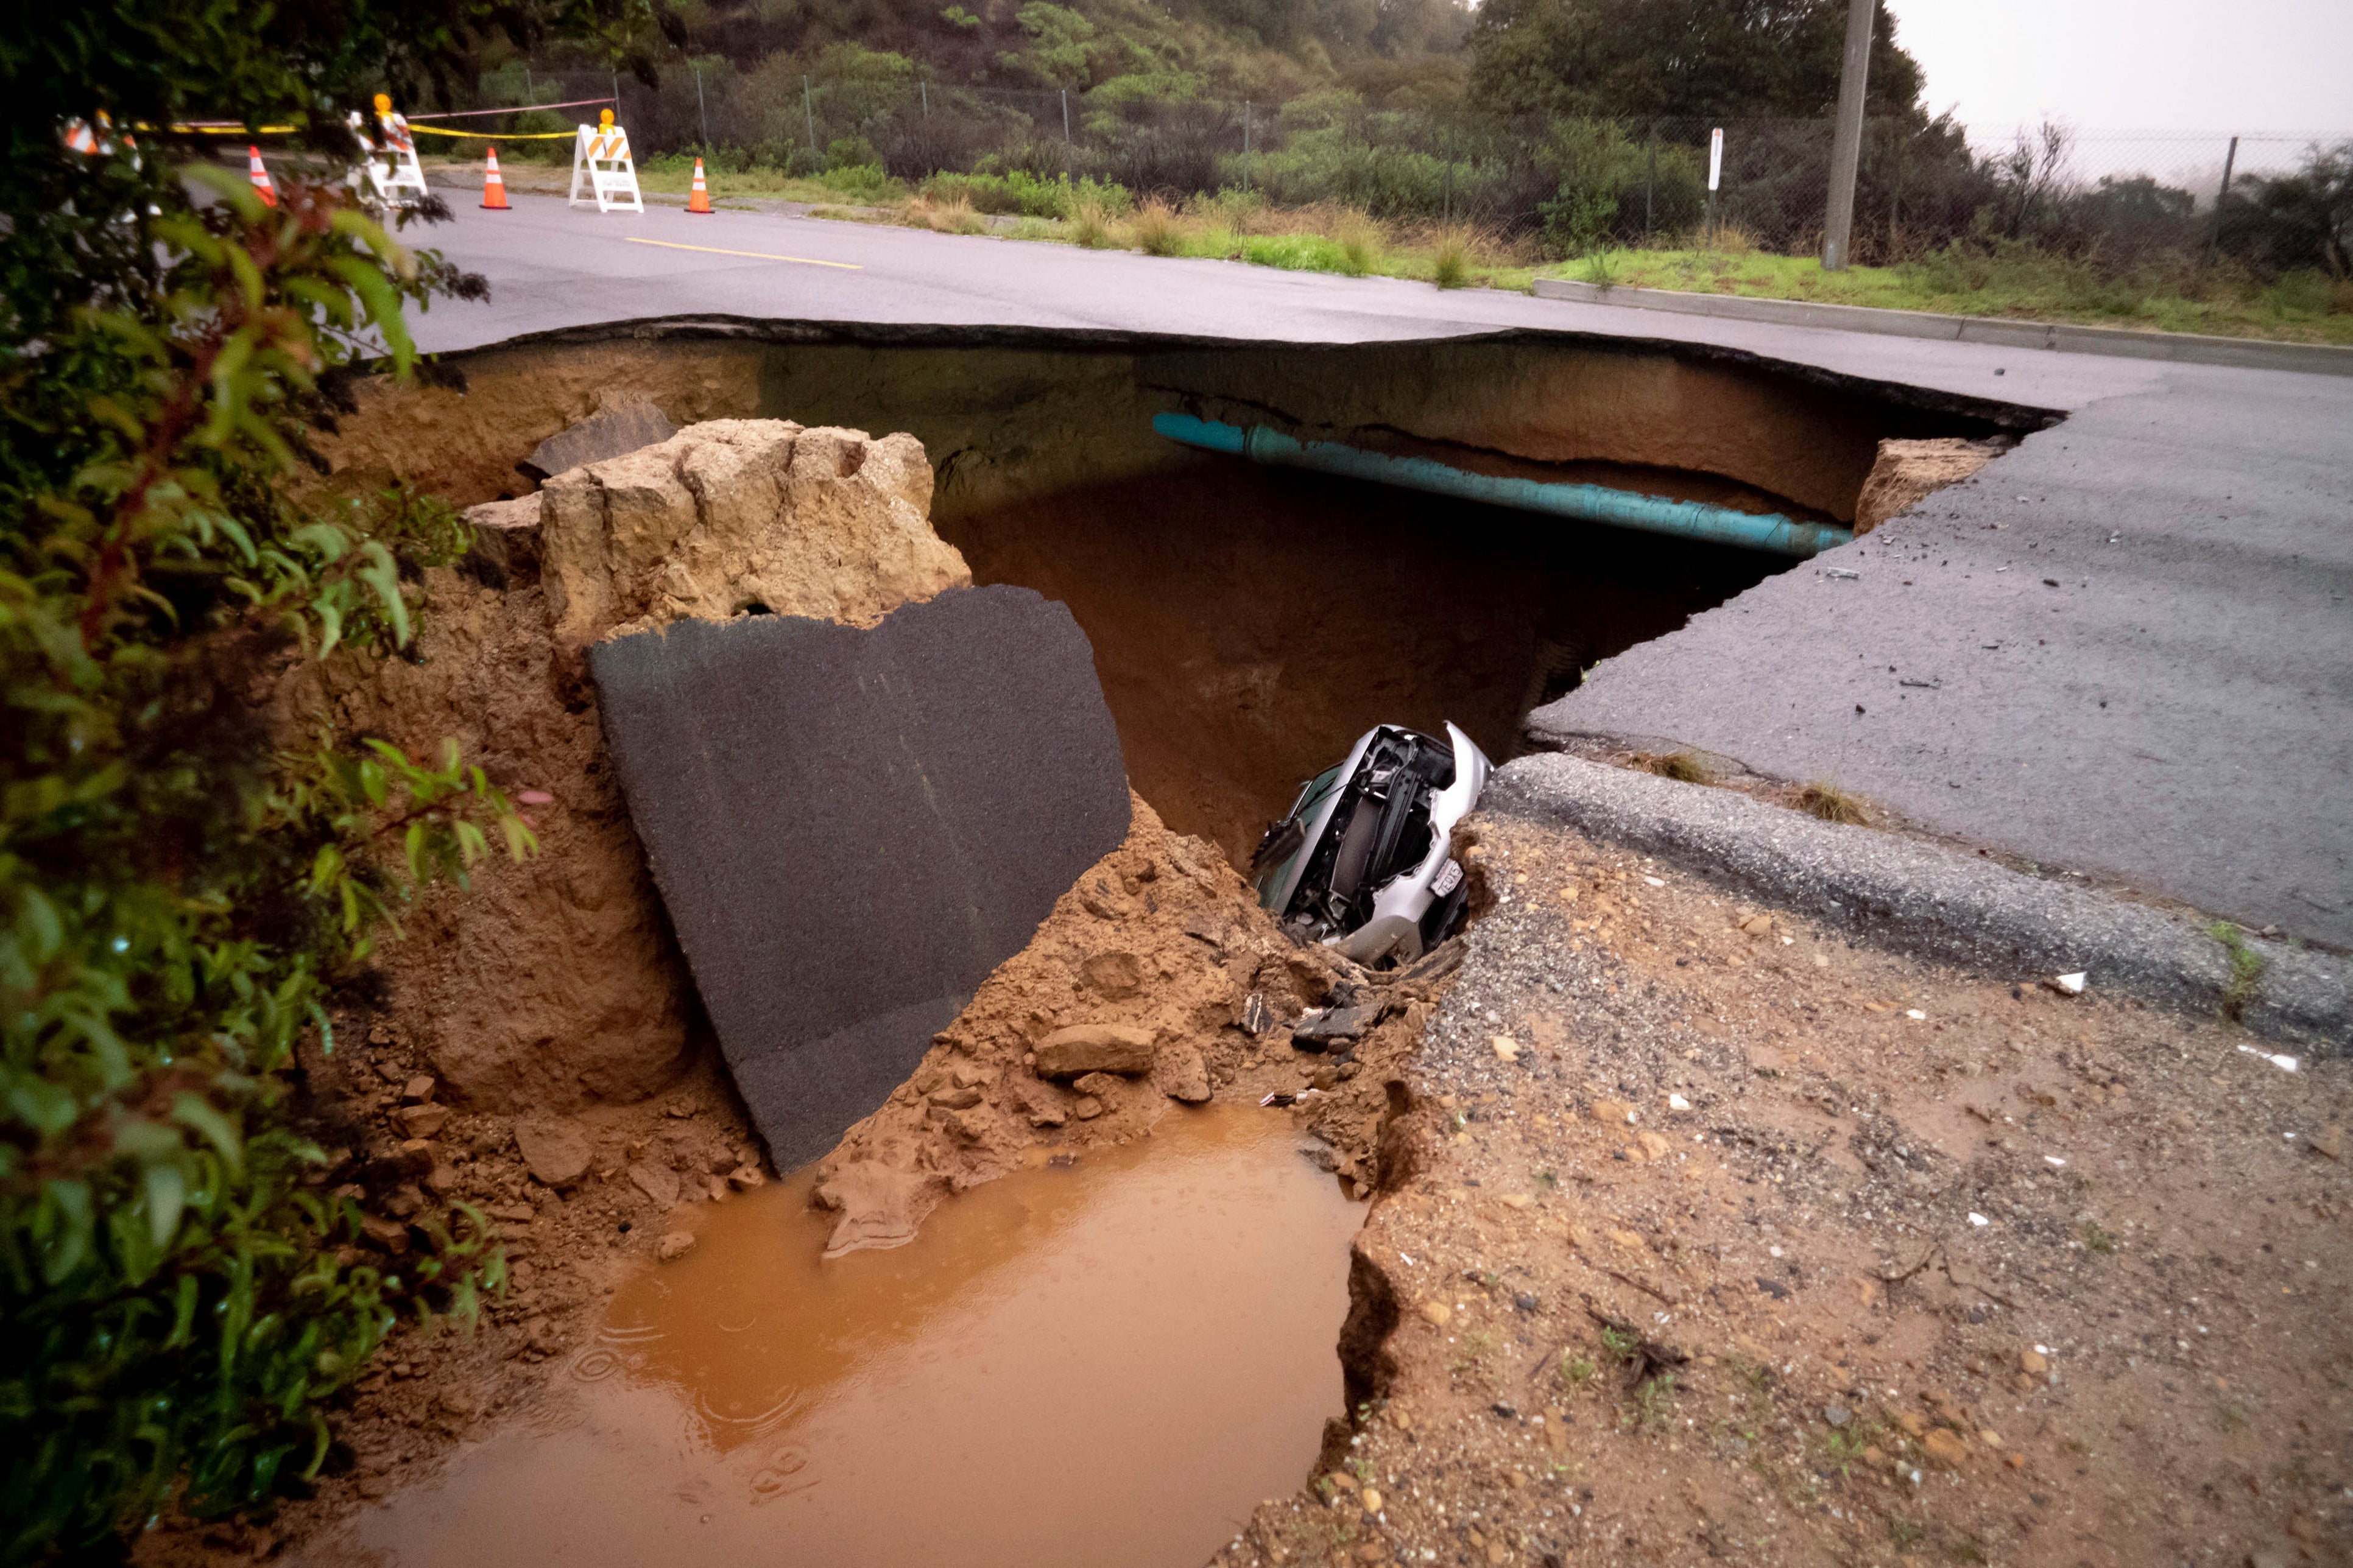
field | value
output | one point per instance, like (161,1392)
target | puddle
(1111,1362)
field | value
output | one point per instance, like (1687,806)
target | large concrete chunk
(851,827)
(733,515)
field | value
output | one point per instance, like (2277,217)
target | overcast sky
(2140,65)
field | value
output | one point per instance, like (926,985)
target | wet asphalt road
(2126,648)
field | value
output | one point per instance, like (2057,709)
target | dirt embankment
(1157,979)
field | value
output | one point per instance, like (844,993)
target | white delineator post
(600,155)
(1715,173)
(1846,141)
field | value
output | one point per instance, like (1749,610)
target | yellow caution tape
(755,255)
(498,136)
(228,129)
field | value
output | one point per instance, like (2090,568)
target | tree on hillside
(1716,58)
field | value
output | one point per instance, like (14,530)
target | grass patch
(1575,1372)
(2299,308)
(1685,766)
(2247,968)
(2096,1239)
(1090,225)
(1833,803)
(1157,229)
(951,216)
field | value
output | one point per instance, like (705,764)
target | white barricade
(600,155)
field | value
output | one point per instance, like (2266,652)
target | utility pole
(809,111)
(2222,193)
(701,109)
(1846,142)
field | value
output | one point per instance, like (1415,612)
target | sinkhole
(1249,621)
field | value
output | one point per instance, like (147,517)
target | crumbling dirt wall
(1010,414)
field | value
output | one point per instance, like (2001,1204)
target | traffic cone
(494,185)
(259,176)
(698,200)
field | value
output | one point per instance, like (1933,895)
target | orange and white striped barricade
(370,178)
(408,179)
(600,155)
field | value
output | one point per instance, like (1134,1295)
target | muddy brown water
(1108,1362)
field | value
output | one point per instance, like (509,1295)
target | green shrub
(869,183)
(1296,252)
(1017,191)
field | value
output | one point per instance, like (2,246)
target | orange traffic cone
(494,185)
(259,176)
(698,200)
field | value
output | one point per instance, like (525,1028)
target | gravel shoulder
(1705,1231)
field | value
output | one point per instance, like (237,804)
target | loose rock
(674,1245)
(1181,1074)
(556,1152)
(1096,1047)
(658,1183)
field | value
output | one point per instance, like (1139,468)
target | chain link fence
(1571,186)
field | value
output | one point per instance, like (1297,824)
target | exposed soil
(1163,939)
(1708,1234)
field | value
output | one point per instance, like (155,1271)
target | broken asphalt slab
(2121,648)
(851,827)
(1926,898)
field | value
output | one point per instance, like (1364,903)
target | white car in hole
(1363,860)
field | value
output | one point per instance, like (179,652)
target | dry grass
(1461,255)
(953,217)
(1726,239)
(1833,803)
(1685,766)
(1361,240)
(1090,225)
(1157,229)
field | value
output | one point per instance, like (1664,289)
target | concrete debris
(1096,1047)
(739,516)
(674,1245)
(618,428)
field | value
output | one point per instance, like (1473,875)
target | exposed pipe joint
(1586,503)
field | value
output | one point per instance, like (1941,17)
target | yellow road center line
(755,255)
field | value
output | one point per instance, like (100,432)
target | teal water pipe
(1588,504)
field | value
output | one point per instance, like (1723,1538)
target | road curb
(1925,897)
(2181,347)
